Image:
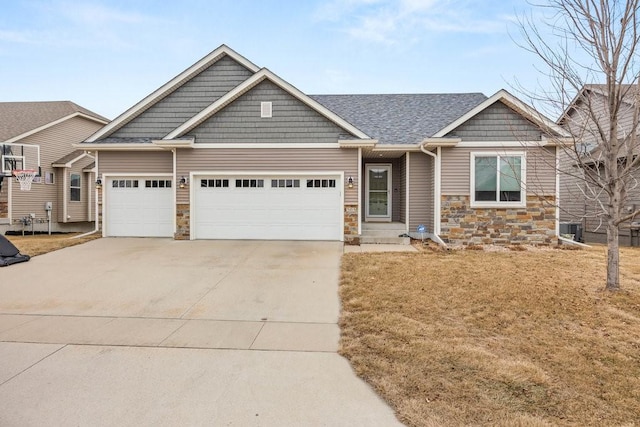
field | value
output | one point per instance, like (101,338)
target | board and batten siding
(135,162)
(456,169)
(497,123)
(420,191)
(55,142)
(186,101)
(269,160)
(292,120)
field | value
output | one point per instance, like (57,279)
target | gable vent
(266,109)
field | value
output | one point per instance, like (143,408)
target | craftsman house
(229,150)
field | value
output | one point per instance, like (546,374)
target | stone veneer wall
(183,217)
(463,225)
(351,236)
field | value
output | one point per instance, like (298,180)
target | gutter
(436,196)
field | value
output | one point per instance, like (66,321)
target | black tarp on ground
(9,254)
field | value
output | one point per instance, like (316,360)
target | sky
(106,55)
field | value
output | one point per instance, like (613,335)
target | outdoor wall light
(98,184)
(183,182)
(350,182)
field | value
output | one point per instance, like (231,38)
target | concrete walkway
(159,332)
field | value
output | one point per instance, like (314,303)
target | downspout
(97,225)
(436,194)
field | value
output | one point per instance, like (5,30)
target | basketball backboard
(14,156)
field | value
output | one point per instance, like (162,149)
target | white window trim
(523,179)
(72,187)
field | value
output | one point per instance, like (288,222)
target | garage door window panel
(321,183)
(285,183)
(249,183)
(214,183)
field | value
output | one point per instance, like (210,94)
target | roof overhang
(515,104)
(174,143)
(172,85)
(431,143)
(357,143)
(88,146)
(69,163)
(250,83)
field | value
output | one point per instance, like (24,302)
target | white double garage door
(267,207)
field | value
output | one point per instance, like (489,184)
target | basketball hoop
(25,178)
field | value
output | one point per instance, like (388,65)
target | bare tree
(589,49)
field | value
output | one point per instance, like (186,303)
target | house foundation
(463,225)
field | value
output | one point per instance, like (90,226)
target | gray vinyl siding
(420,191)
(135,162)
(269,160)
(401,194)
(497,123)
(55,142)
(186,101)
(293,121)
(456,169)
(572,200)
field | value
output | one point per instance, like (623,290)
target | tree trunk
(613,257)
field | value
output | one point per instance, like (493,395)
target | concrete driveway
(163,332)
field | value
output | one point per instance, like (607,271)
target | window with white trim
(498,179)
(75,187)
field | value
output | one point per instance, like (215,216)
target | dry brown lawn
(495,338)
(41,243)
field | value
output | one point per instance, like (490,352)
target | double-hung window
(497,180)
(75,187)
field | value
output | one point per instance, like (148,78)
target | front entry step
(384,240)
(384,233)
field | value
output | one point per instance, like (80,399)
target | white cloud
(389,21)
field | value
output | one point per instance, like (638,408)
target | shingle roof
(17,118)
(71,156)
(401,119)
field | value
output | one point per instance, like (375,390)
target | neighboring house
(228,150)
(582,203)
(40,136)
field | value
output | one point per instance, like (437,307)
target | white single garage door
(139,207)
(296,207)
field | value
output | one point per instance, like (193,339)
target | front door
(378,192)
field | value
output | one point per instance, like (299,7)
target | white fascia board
(270,145)
(396,147)
(355,143)
(53,123)
(430,143)
(174,143)
(501,144)
(117,147)
(247,85)
(523,108)
(180,79)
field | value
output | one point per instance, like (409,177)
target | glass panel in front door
(378,192)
